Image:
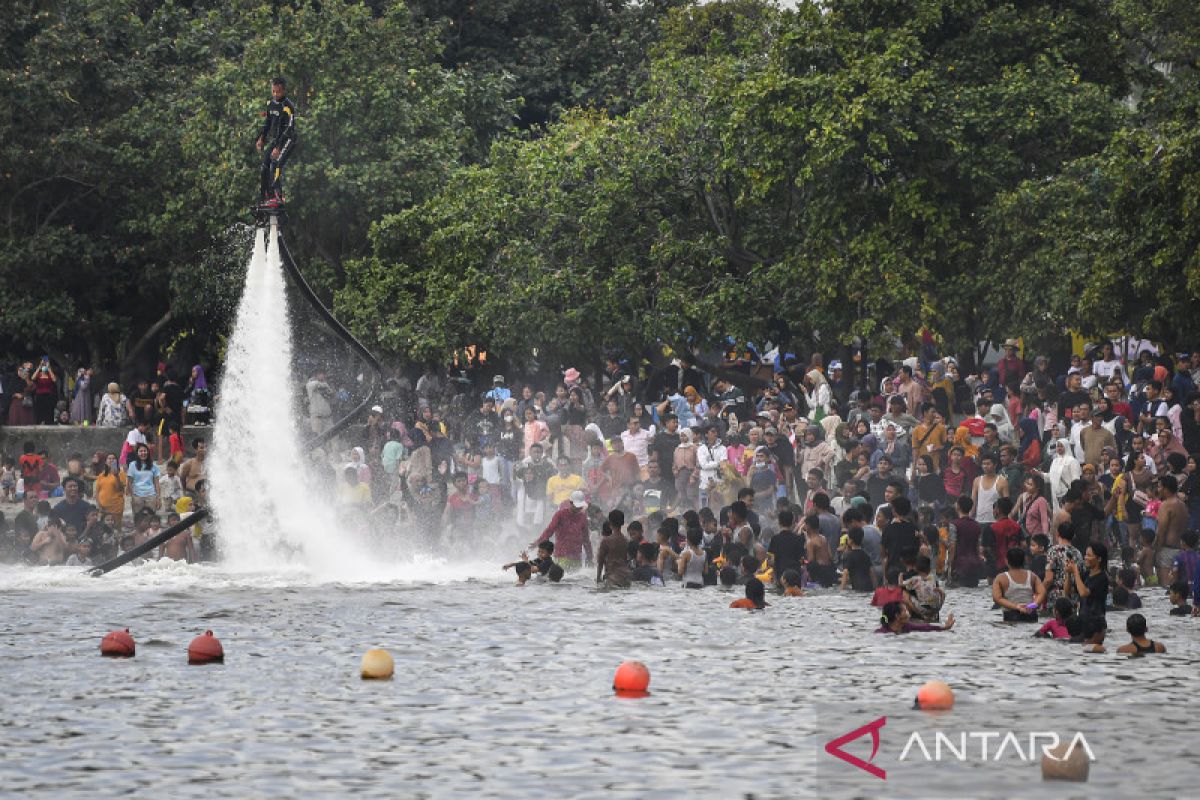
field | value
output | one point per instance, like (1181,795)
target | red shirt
(1008,534)
(31,470)
(886,594)
(569,527)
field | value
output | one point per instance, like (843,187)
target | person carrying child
(542,565)
(923,596)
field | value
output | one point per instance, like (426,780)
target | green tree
(810,177)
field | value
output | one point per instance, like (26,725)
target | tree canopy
(582,177)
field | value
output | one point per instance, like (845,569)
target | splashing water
(267,515)
(263,509)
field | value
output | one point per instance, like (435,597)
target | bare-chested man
(50,545)
(179,547)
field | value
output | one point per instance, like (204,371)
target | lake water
(506,692)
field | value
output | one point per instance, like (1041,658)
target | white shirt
(134,438)
(709,459)
(489,469)
(638,444)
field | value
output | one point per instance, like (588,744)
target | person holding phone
(45,392)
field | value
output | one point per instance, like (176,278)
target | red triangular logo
(834,748)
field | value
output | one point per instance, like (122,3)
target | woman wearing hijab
(895,447)
(697,406)
(817,393)
(962,438)
(1064,470)
(199,398)
(115,409)
(998,416)
(815,453)
(684,469)
(1030,454)
(81,401)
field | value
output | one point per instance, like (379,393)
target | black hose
(149,544)
(339,329)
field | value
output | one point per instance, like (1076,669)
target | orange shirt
(110,493)
(745,602)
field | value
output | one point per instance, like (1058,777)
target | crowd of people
(99,508)
(39,394)
(1078,483)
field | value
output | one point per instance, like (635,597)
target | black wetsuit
(278,131)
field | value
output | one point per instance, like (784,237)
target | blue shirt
(142,480)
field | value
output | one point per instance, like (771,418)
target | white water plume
(263,507)
(267,515)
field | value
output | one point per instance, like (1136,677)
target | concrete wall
(62,440)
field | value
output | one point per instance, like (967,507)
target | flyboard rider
(276,142)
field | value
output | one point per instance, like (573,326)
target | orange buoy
(118,644)
(206,649)
(935,696)
(632,679)
(377,664)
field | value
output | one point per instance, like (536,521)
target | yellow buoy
(377,664)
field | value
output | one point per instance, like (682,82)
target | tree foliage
(580,176)
(805,176)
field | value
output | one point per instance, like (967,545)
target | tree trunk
(128,362)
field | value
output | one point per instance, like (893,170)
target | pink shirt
(535,433)
(1056,628)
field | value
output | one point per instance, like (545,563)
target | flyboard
(272,216)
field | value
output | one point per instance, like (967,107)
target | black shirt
(876,484)
(858,564)
(898,537)
(1093,605)
(74,514)
(788,549)
(665,444)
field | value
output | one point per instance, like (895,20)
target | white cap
(578,499)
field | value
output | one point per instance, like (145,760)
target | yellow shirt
(559,489)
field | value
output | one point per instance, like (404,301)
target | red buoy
(935,696)
(206,649)
(118,644)
(632,679)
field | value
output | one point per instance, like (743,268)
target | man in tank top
(1018,591)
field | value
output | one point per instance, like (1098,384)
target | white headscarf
(1064,470)
(998,415)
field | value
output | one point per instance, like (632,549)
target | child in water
(1179,599)
(895,619)
(1056,628)
(542,565)
(1138,643)
(756,596)
(923,596)
(890,592)
(793,584)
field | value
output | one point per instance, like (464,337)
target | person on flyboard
(277,142)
